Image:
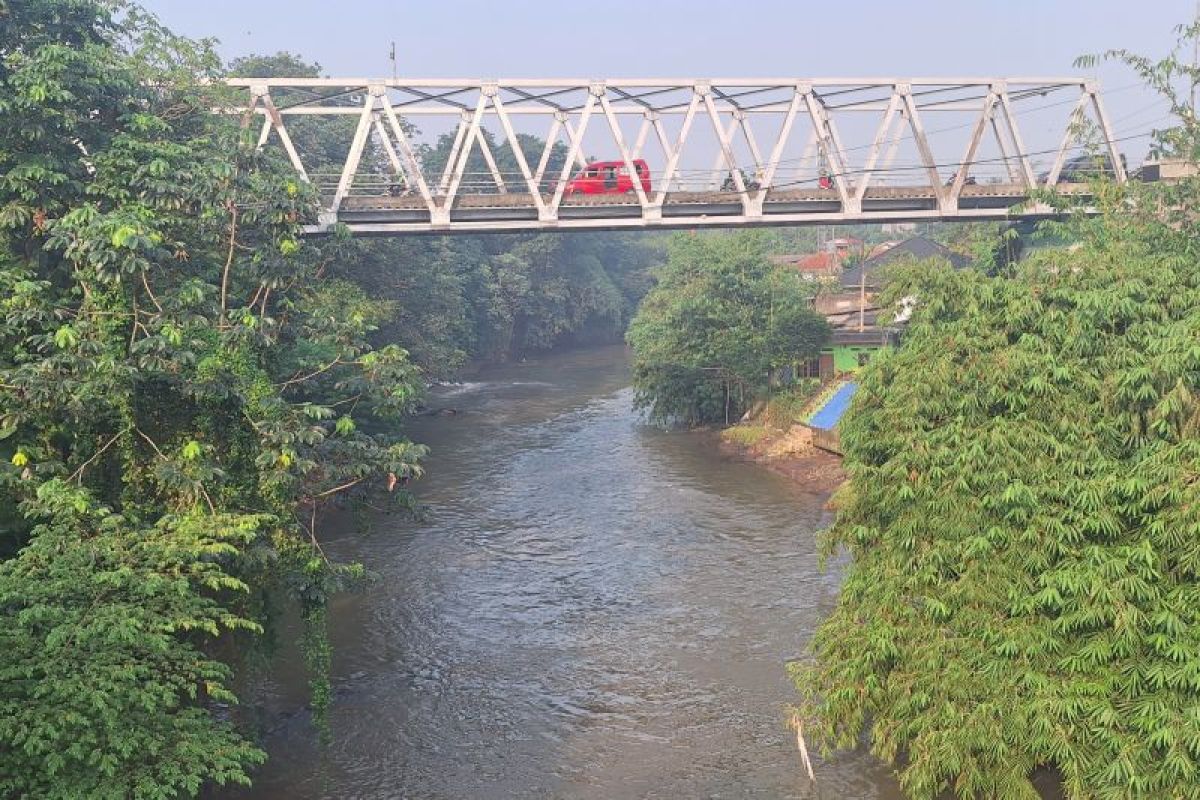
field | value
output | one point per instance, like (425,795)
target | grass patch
(745,435)
(787,406)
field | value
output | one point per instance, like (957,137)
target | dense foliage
(1024,519)
(185,383)
(181,389)
(720,319)
(495,298)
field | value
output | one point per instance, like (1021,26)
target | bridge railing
(686,181)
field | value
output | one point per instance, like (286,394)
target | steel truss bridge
(725,152)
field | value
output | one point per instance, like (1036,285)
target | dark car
(1087,167)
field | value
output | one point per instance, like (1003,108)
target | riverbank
(773,439)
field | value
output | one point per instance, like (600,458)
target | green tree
(182,389)
(719,320)
(1022,513)
(477,177)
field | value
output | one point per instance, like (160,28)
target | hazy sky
(518,38)
(699,38)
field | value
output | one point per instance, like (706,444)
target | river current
(590,607)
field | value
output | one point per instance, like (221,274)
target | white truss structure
(710,170)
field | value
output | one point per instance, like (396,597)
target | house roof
(917,247)
(808,262)
(883,247)
(818,262)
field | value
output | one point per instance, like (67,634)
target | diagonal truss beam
(671,170)
(881,135)
(412,166)
(531,183)
(827,144)
(968,159)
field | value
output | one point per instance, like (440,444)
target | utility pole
(392,57)
(862,296)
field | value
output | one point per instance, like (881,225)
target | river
(590,608)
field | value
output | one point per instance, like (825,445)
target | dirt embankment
(789,452)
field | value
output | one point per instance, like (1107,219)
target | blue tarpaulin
(827,418)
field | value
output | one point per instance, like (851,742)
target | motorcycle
(730,183)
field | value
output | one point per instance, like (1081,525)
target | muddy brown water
(591,608)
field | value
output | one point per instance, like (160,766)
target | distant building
(814,266)
(869,272)
(853,310)
(845,245)
(846,309)
(820,265)
(883,247)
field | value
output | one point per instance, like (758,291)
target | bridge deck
(513,211)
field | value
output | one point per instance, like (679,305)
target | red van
(609,177)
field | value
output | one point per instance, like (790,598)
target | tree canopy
(720,318)
(181,389)
(1023,516)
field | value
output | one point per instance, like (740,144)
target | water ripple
(592,608)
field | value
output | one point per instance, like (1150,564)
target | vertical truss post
(673,152)
(1010,122)
(964,166)
(754,205)
(493,91)
(1118,166)
(350,168)
(918,131)
(256,93)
